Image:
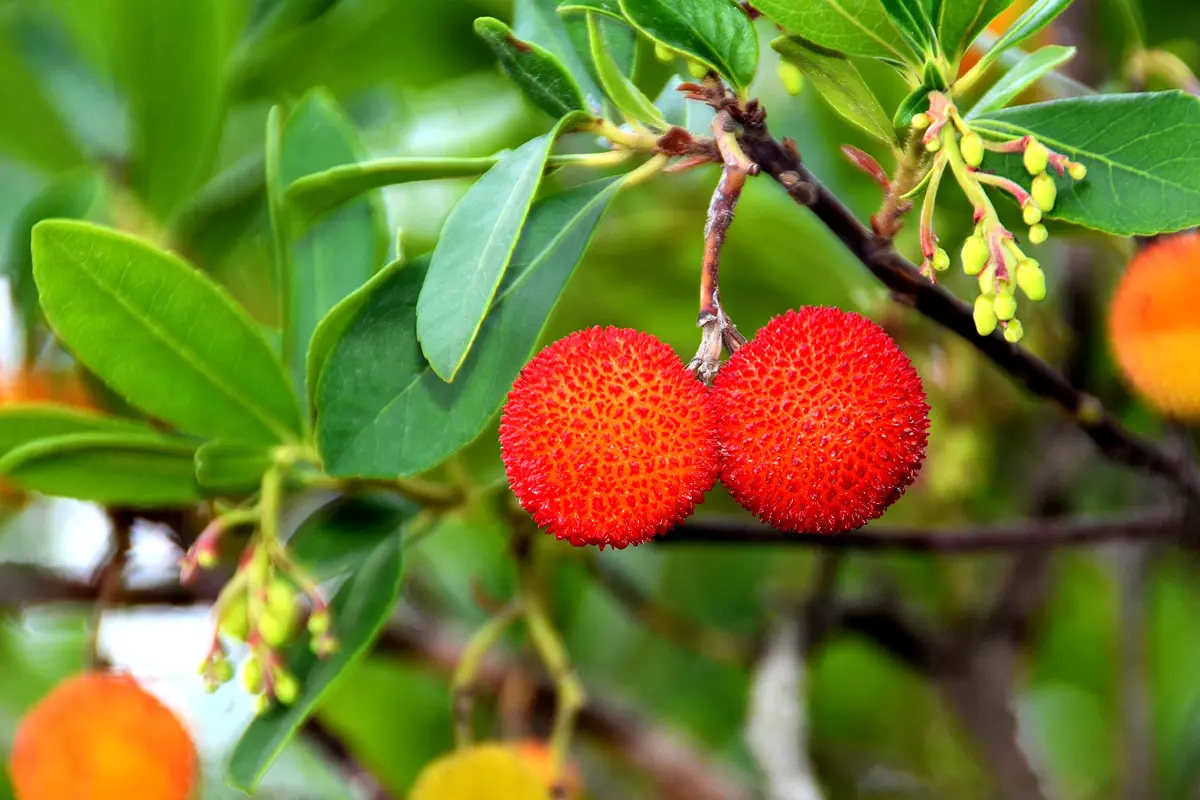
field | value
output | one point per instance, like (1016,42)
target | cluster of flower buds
(261,607)
(991,252)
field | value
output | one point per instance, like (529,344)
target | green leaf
(338,253)
(627,97)
(857,27)
(609,8)
(72,196)
(132,469)
(536,70)
(473,251)
(169,59)
(1139,149)
(913,103)
(404,420)
(1036,17)
(840,83)
(340,536)
(958,22)
(231,467)
(717,33)
(31,128)
(161,334)
(911,20)
(359,611)
(538,21)
(1028,71)
(22,424)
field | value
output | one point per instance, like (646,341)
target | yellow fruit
(102,736)
(1155,325)
(484,772)
(536,755)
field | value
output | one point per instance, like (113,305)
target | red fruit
(102,737)
(607,439)
(822,421)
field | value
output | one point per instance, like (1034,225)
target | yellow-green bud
(262,705)
(663,53)
(974,255)
(920,121)
(1077,171)
(285,687)
(1005,306)
(234,621)
(971,147)
(324,645)
(1038,234)
(318,623)
(252,675)
(281,595)
(696,69)
(1031,279)
(791,77)
(206,559)
(985,316)
(276,629)
(933,145)
(1045,192)
(1037,158)
(987,280)
(222,670)
(941,260)
(1031,213)
(1013,331)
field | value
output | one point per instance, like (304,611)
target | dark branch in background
(782,163)
(335,751)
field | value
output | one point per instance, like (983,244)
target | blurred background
(149,115)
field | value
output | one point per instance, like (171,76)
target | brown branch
(1038,534)
(905,280)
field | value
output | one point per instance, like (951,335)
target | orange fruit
(101,736)
(536,755)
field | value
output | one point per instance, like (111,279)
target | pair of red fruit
(816,425)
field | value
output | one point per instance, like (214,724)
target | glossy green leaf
(717,33)
(22,424)
(610,8)
(1036,17)
(359,611)
(339,252)
(404,419)
(839,82)
(340,536)
(169,58)
(472,253)
(132,469)
(161,334)
(911,20)
(564,35)
(857,27)
(1139,149)
(72,196)
(914,103)
(231,467)
(31,127)
(626,96)
(1028,71)
(539,73)
(958,22)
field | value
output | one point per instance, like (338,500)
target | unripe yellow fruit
(1037,158)
(974,255)
(484,772)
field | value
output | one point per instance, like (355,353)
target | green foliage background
(150,114)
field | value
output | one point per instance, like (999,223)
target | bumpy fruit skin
(483,772)
(822,420)
(103,737)
(607,439)
(1155,325)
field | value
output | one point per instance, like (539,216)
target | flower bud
(971,147)
(234,621)
(285,687)
(276,629)
(663,53)
(1037,157)
(987,280)
(1045,192)
(933,145)
(1013,331)
(318,623)
(1038,234)
(324,645)
(1031,279)
(222,670)
(1030,212)
(941,260)
(1077,171)
(791,77)
(920,121)
(262,705)
(974,255)
(696,69)
(252,675)
(1005,306)
(985,316)
(281,596)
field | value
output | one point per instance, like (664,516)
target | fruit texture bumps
(822,420)
(607,439)
(1155,325)
(102,737)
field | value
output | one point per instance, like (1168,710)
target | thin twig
(108,580)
